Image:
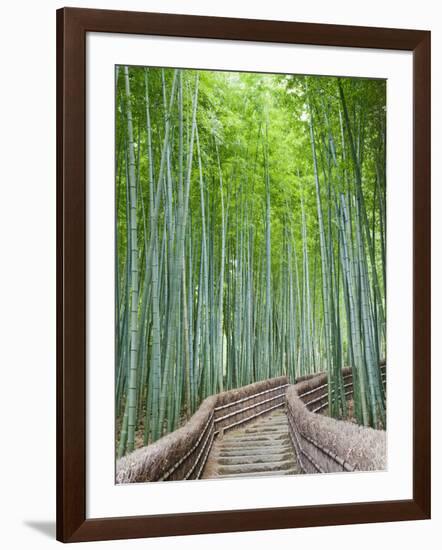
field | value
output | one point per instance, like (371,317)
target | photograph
(250,274)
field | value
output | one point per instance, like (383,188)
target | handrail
(346,376)
(189,452)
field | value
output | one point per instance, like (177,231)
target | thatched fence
(323,444)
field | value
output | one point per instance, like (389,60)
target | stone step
(227,453)
(255,437)
(257,467)
(280,447)
(266,429)
(272,434)
(254,442)
(281,428)
(254,430)
(293,471)
(253,459)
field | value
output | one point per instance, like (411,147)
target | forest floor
(139,434)
(350,417)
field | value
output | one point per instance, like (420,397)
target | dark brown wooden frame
(72,26)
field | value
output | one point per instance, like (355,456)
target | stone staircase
(261,448)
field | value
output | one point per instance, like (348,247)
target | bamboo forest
(250,243)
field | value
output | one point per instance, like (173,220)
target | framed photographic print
(243,274)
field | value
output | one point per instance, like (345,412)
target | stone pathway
(261,448)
